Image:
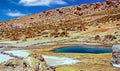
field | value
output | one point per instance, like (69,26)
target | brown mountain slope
(61,14)
(98,22)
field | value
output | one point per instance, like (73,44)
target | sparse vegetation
(61,22)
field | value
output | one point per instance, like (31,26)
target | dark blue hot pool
(82,49)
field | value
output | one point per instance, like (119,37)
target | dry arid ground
(98,22)
(95,24)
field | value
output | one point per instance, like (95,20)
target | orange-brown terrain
(97,23)
(100,19)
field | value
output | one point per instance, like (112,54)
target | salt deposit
(19,53)
(57,61)
(4,58)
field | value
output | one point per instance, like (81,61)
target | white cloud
(15,14)
(41,2)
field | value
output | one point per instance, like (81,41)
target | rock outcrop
(116,55)
(30,63)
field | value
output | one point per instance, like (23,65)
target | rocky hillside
(97,22)
(59,15)
(33,62)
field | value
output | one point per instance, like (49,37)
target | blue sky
(10,9)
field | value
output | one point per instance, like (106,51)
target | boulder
(30,63)
(118,1)
(108,2)
(116,56)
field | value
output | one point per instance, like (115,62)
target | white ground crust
(4,58)
(57,61)
(51,60)
(86,43)
(19,53)
(1,48)
(116,65)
